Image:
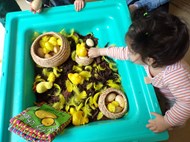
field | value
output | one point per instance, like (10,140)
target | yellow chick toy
(75,78)
(81,50)
(78,117)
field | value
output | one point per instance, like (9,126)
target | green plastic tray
(109,21)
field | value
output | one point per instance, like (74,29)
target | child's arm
(158,124)
(114,52)
(178,82)
(79,4)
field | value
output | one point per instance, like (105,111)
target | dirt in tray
(80,100)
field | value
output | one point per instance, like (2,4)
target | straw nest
(83,60)
(57,59)
(102,104)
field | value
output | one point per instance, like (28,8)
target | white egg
(56,49)
(47,56)
(90,42)
(118,109)
(120,100)
(40,52)
(110,97)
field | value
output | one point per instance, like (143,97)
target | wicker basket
(83,61)
(102,105)
(59,58)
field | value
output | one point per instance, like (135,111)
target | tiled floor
(176,135)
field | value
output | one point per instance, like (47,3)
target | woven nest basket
(102,104)
(59,58)
(83,61)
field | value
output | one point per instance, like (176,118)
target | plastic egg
(40,52)
(47,56)
(110,97)
(118,109)
(120,100)
(56,49)
(90,42)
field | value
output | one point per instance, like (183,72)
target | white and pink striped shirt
(173,82)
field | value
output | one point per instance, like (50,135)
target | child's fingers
(155,114)
(78,7)
(150,123)
(32,10)
(152,126)
(82,4)
(39,10)
(79,4)
(154,129)
(92,53)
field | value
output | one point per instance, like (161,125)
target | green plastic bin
(109,21)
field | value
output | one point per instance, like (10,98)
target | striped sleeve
(179,84)
(120,53)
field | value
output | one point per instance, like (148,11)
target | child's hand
(79,4)
(36,6)
(93,52)
(158,124)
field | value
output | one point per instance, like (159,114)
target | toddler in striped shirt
(159,41)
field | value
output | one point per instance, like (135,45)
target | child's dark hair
(159,35)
